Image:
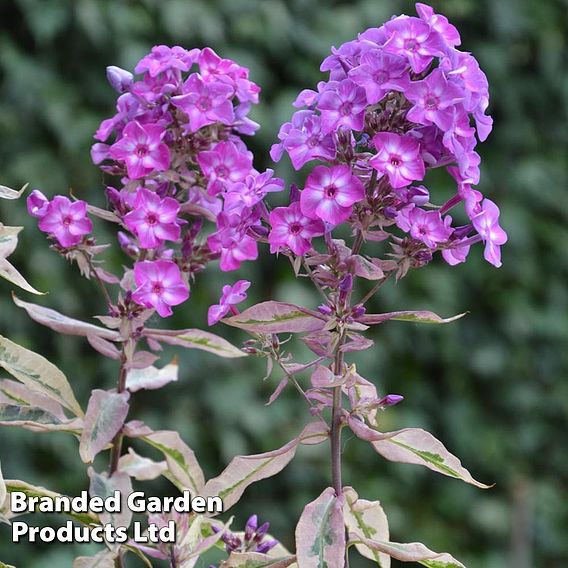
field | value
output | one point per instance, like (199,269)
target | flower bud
(391,400)
(325,310)
(250,527)
(345,287)
(294,193)
(37,203)
(358,311)
(119,79)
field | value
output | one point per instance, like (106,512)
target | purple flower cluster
(400,100)
(175,141)
(254,538)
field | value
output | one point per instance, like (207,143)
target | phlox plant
(183,194)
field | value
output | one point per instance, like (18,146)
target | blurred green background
(493,386)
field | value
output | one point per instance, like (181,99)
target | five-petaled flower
(65,220)
(159,285)
(141,149)
(153,220)
(231,296)
(330,193)
(398,157)
(291,228)
(486,223)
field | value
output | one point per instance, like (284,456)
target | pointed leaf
(365,268)
(368,519)
(104,559)
(195,339)
(151,378)
(141,468)
(38,374)
(320,534)
(16,393)
(13,485)
(103,486)
(184,470)
(63,324)
(104,418)
(36,419)
(2,565)
(276,317)
(256,560)
(411,552)
(243,471)
(104,347)
(11,274)
(7,193)
(416,446)
(409,316)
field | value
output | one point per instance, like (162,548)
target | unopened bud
(325,310)
(120,79)
(391,399)
(294,193)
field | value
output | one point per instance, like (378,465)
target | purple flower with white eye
(342,107)
(153,220)
(433,98)
(231,296)
(486,223)
(65,220)
(329,194)
(159,286)
(205,102)
(37,203)
(414,39)
(224,165)
(163,58)
(141,149)
(428,227)
(291,228)
(398,157)
(378,73)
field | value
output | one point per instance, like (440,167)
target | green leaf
(411,552)
(38,374)
(368,519)
(196,339)
(408,316)
(276,317)
(416,446)
(104,418)
(320,534)
(36,491)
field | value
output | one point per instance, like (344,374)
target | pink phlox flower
(65,220)
(141,149)
(486,223)
(342,59)
(330,193)
(439,23)
(428,227)
(291,228)
(205,102)
(153,220)
(224,165)
(231,296)
(398,157)
(414,39)
(308,142)
(211,204)
(37,204)
(433,98)
(215,68)
(253,189)
(377,73)
(243,124)
(456,254)
(342,107)
(159,285)
(163,58)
